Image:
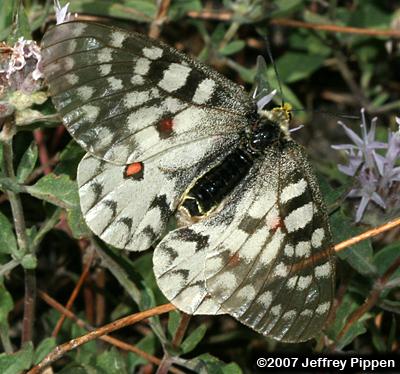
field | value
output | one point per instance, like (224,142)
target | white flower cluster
(21,52)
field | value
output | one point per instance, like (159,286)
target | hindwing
(128,206)
(257,259)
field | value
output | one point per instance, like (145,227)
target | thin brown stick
(335,28)
(181,330)
(100,303)
(162,11)
(43,153)
(62,349)
(367,234)
(74,294)
(344,244)
(370,302)
(116,342)
(212,15)
(285,22)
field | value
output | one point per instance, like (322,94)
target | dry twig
(116,342)
(62,349)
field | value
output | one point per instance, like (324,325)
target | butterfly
(167,136)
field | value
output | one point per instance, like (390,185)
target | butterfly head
(281,116)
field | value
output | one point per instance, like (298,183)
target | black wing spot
(160,202)
(249,224)
(112,205)
(191,236)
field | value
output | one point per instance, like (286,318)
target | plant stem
(29,306)
(167,360)
(46,227)
(6,138)
(4,269)
(62,349)
(5,339)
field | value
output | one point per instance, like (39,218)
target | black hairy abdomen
(211,188)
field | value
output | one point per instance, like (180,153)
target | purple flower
(62,14)
(375,173)
(365,145)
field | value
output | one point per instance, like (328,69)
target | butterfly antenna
(271,58)
(331,114)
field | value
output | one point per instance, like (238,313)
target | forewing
(126,98)
(258,259)
(129,206)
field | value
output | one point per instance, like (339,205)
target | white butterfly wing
(255,259)
(126,98)
(131,211)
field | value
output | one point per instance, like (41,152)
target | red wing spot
(278,223)
(165,127)
(234,260)
(134,170)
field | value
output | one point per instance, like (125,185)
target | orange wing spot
(278,223)
(165,127)
(234,260)
(134,170)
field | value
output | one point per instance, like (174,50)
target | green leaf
(86,353)
(390,305)
(29,261)
(137,10)
(144,266)
(59,190)
(17,362)
(111,362)
(377,339)
(27,163)
(77,224)
(8,242)
(285,8)
(69,160)
(1,160)
(179,8)
(6,305)
(42,14)
(355,330)
(44,347)
(173,322)
(208,364)
(331,195)
(345,309)
(147,344)
(310,43)
(359,256)
(294,66)
(121,267)
(386,257)
(193,339)
(78,368)
(22,25)
(392,334)
(7,10)
(369,15)
(10,185)
(233,47)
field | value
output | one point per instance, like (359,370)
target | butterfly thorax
(207,193)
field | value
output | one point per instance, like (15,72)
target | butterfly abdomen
(210,189)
